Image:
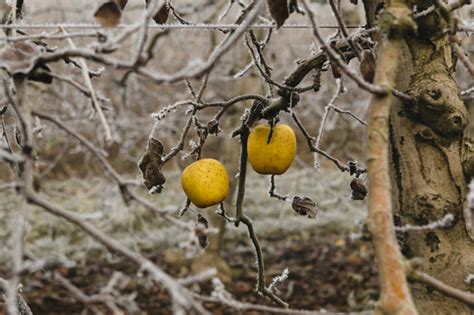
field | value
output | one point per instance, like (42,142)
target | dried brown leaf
(279,11)
(359,190)
(213,127)
(367,66)
(305,206)
(108,14)
(150,164)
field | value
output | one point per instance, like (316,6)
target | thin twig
(260,264)
(272,192)
(339,90)
(438,285)
(88,81)
(374,89)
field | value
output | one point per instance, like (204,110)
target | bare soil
(331,272)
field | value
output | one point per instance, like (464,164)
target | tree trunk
(428,153)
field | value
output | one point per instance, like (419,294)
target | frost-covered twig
(313,148)
(88,81)
(444,222)
(199,277)
(279,279)
(222,296)
(261,288)
(339,90)
(17,238)
(22,306)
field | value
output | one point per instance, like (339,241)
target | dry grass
(137,227)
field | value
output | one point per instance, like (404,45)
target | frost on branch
(21,59)
(279,279)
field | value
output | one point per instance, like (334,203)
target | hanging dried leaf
(279,11)
(21,58)
(367,66)
(162,16)
(359,190)
(108,14)
(150,164)
(201,231)
(122,3)
(305,206)
(213,127)
(163,13)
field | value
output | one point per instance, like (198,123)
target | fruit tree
(409,57)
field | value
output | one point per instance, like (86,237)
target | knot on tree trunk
(438,105)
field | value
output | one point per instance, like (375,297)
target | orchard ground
(326,262)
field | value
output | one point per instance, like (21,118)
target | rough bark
(427,143)
(428,153)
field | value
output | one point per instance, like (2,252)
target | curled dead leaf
(150,165)
(279,11)
(367,66)
(108,14)
(213,127)
(359,190)
(305,206)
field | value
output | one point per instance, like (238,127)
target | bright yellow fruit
(274,157)
(205,182)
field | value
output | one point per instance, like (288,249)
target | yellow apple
(205,182)
(275,157)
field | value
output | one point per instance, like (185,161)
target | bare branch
(87,79)
(463,296)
